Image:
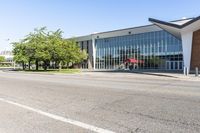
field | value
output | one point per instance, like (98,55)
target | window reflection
(157,50)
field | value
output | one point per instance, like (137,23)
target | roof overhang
(178,29)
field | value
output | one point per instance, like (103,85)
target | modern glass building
(147,47)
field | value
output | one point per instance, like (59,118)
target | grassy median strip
(65,71)
(55,71)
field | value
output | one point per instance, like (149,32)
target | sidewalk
(175,75)
(191,77)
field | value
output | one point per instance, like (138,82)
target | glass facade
(151,50)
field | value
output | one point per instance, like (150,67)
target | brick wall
(195,59)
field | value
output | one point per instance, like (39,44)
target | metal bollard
(184,70)
(187,71)
(196,71)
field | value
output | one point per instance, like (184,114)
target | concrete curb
(138,72)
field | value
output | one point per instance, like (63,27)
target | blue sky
(82,17)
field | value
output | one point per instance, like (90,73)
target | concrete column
(94,52)
(90,52)
(187,48)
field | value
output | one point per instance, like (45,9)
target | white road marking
(56,117)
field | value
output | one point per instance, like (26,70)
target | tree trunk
(23,66)
(37,65)
(55,65)
(67,65)
(45,65)
(29,65)
(60,66)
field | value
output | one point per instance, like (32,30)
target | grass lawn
(63,71)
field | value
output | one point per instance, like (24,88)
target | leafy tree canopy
(47,46)
(2,59)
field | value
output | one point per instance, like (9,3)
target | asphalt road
(118,102)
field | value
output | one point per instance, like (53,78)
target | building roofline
(148,25)
(164,23)
(182,19)
(124,29)
(139,26)
(99,33)
(175,25)
(192,21)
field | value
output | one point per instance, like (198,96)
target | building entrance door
(174,65)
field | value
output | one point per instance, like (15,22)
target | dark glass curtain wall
(152,50)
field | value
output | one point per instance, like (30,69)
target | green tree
(71,53)
(2,59)
(64,52)
(155,61)
(48,46)
(75,54)
(19,52)
(37,47)
(56,47)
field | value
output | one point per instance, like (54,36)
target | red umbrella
(132,60)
